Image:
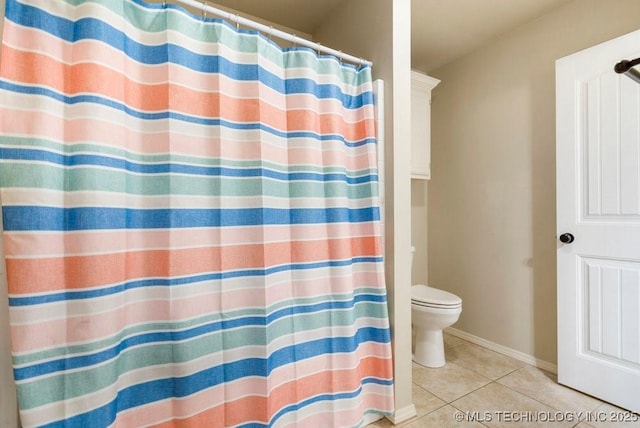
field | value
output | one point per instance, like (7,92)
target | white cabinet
(421,86)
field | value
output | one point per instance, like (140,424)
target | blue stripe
(33,90)
(30,218)
(161,389)
(38,155)
(264,38)
(72,363)
(318,398)
(95,29)
(172,282)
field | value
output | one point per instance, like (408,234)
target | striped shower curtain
(191,223)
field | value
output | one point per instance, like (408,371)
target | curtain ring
(293,41)
(270,31)
(318,48)
(237,21)
(204,9)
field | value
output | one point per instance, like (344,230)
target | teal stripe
(163,349)
(87,148)
(75,384)
(70,350)
(155,19)
(88,179)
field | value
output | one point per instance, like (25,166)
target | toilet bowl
(432,310)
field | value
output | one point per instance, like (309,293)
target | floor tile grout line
(468,393)
(485,376)
(524,364)
(496,381)
(505,386)
(461,410)
(524,395)
(458,365)
(451,403)
(510,373)
(491,380)
(543,403)
(529,397)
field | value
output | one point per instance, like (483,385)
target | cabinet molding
(421,87)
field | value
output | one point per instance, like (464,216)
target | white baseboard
(403,414)
(521,356)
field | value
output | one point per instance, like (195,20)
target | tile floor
(497,391)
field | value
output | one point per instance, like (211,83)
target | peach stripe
(42,124)
(235,411)
(89,78)
(17,244)
(26,276)
(347,417)
(73,329)
(65,270)
(26,39)
(105,324)
(310,366)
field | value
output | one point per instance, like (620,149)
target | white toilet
(432,311)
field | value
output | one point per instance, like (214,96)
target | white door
(598,202)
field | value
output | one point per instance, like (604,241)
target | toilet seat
(422,295)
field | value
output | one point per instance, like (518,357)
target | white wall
(380,30)
(491,200)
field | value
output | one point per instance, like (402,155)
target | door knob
(567,238)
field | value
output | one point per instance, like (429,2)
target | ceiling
(442,30)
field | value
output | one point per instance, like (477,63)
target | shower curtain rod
(626,67)
(239,20)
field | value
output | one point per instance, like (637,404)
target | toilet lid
(429,295)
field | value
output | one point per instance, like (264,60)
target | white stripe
(223,84)
(250,351)
(55,198)
(119,120)
(91,10)
(198,321)
(333,331)
(79,405)
(309,414)
(73,308)
(99,242)
(197,161)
